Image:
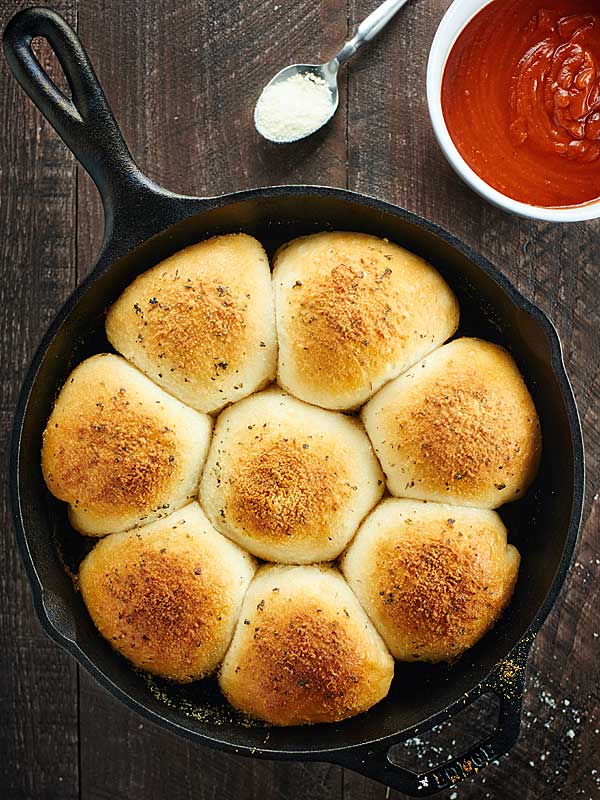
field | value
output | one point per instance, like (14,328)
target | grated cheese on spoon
(293,108)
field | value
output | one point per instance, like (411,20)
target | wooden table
(182,78)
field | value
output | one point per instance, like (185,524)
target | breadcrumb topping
(462,433)
(196,326)
(431,587)
(167,604)
(286,487)
(350,319)
(110,453)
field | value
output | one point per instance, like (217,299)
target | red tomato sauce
(521,99)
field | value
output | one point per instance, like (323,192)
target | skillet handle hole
(443,742)
(50,66)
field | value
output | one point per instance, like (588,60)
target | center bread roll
(288,481)
(168,596)
(460,427)
(119,450)
(433,578)
(303,650)
(201,324)
(354,311)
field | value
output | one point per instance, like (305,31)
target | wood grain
(38,681)
(182,79)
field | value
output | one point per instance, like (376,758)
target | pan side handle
(86,124)
(507,682)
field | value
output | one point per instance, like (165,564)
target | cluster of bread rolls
(189,503)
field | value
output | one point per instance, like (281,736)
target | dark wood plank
(38,682)
(182,80)
(393,154)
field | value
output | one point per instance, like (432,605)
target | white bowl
(453,23)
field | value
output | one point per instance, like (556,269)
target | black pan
(144,224)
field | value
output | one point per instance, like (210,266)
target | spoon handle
(369,28)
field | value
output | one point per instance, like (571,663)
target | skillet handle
(85,123)
(508,683)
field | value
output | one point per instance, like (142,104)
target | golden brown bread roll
(460,427)
(304,650)
(167,597)
(119,450)
(354,311)
(433,578)
(288,481)
(201,324)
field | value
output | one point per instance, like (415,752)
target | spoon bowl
(326,73)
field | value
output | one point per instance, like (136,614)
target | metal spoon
(328,72)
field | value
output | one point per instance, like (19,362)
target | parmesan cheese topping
(293,108)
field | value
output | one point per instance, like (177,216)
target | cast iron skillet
(144,224)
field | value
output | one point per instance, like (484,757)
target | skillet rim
(109,253)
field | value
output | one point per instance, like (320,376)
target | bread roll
(201,324)
(303,650)
(167,597)
(460,427)
(288,481)
(433,578)
(119,450)
(354,311)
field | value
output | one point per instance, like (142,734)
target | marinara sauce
(521,99)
